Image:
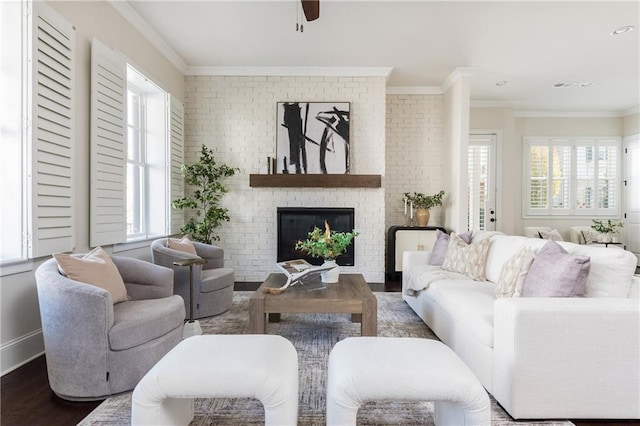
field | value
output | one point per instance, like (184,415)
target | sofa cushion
(502,248)
(95,268)
(555,272)
(590,236)
(467,259)
(140,321)
(514,273)
(612,269)
(216,279)
(469,303)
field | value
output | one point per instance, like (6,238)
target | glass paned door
(481,189)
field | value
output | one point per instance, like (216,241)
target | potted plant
(422,203)
(206,177)
(327,245)
(605,228)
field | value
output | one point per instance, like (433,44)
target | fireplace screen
(294,223)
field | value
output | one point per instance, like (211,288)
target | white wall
(236,117)
(455,154)
(413,160)
(631,124)
(21,337)
(508,192)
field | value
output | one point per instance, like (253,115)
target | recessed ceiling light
(587,84)
(501,83)
(622,30)
(563,85)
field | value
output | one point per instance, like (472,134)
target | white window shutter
(176,160)
(52,50)
(108,146)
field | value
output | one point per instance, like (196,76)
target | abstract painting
(312,137)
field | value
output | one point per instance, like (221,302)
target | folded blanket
(420,277)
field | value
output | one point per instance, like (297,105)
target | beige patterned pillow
(553,235)
(95,268)
(514,273)
(467,259)
(590,236)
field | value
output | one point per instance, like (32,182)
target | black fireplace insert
(294,223)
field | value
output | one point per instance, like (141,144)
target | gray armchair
(212,282)
(95,348)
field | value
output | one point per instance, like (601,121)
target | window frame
(573,142)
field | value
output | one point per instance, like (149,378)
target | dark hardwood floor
(27,399)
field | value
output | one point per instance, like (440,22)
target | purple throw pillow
(439,250)
(556,273)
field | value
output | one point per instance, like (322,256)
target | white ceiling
(532,45)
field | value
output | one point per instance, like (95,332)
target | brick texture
(236,117)
(413,159)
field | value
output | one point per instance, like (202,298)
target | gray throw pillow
(439,250)
(556,273)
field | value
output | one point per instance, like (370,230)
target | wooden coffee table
(351,294)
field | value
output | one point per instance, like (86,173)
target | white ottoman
(384,368)
(264,367)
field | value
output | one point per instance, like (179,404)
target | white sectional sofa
(542,357)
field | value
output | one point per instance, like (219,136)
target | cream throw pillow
(514,273)
(184,245)
(553,235)
(467,259)
(95,268)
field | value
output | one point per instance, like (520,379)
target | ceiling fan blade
(311,9)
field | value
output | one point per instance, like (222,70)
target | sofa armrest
(554,353)
(144,280)
(411,259)
(213,254)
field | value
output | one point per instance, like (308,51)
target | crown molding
(631,111)
(457,74)
(417,90)
(129,13)
(291,71)
(482,103)
(567,114)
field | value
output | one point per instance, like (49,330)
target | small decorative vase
(422,217)
(332,275)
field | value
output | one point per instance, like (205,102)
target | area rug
(313,336)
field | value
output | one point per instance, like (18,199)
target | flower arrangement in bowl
(606,228)
(328,245)
(422,203)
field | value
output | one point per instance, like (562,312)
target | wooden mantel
(315,181)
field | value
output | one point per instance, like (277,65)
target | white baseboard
(20,351)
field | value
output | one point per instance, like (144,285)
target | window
(572,176)
(147,202)
(136,150)
(37,132)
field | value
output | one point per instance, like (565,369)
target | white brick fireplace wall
(236,117)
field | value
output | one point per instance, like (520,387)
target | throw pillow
(467,259)
(95,268)
(184,245)
(513,274)
(555,272)
(590,236)
(439,250)
(552,235)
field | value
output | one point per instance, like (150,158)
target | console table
(405,238)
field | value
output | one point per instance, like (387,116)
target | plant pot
(332,275)
(422,217)
(604,238)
